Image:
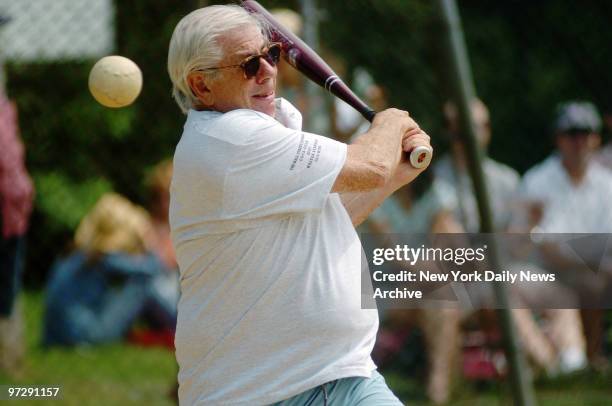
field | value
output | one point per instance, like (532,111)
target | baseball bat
(299,55)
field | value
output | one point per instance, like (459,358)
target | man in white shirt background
(570,192)
(605,155)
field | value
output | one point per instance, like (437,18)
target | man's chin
(266,108)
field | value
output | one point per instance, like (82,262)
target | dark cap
(577,115)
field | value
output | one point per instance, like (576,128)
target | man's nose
(266,71)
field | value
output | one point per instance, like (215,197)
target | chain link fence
(56,30)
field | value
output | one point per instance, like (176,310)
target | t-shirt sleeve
(278,170)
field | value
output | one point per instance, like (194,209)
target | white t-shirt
(605,156)
(270,262)
(502,185)
(570,208)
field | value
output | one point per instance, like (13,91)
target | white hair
(194,45)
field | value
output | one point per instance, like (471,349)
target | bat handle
(368,114)
(420,157)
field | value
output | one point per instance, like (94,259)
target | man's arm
(374,157)
(359,204)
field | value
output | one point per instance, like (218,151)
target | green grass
(587,389)
(117,374)
(122,374)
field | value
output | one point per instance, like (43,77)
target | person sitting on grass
(109,281)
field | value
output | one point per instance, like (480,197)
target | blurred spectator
(425,206)
(342,121)
(571,193)
(346,119)
(291,83)
(502,181)
(605,156)
(158,184)
(503,188)
(97,293)
(459,213)
(16,195)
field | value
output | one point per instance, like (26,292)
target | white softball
(115,81)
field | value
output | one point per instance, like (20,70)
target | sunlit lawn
(580,390)
(123,374)
(115,374)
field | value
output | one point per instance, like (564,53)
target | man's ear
(198,84)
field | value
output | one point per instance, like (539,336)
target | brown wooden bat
(299,55)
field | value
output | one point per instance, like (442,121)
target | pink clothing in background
(16,190)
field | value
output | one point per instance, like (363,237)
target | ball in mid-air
(115,81)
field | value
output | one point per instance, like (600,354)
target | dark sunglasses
(250,66)
(577,132)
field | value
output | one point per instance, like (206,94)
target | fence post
(463,93)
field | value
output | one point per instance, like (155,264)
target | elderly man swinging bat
(262,217)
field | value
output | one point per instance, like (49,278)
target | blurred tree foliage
(76,149)
(526,56)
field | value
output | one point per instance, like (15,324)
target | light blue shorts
(347,392)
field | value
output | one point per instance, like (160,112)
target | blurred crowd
(121,271)
(120,279)
(569,192)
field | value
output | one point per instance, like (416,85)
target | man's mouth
(264,96)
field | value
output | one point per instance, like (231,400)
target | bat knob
(420,157)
